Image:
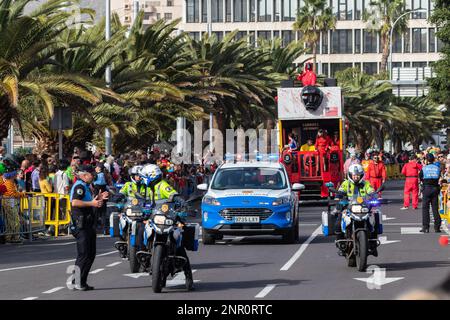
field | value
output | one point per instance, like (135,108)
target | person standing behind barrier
(376,173)
(11,209)
(430,175)
(83,223)
(100,185)
(35,177)
(44,184)
(411,171)
(21,185)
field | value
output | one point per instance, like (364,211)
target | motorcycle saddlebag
(114,230)
(191,232)
(328,223)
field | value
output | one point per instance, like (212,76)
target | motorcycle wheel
(134,263)
(157,272)
(189,283)
(361,245)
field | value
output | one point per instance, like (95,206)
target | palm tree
(380,17)
(312,19)
(29,44)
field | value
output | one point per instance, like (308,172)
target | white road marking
(30,298)
(237,239)
(52,263)
(402,224)
(53,290)
(179,280)
(308,224)
(137,275)
(384,240)
(386,218)
(96,271)
(114,264)
(302,249)
(378,278)
(410,231)
(264,292)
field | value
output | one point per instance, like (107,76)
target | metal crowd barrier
(394,171)
(444,203)
(22,217)
(56,203)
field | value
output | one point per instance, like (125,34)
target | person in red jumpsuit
(376,173)
(308,77)
(323,144)
(411,171)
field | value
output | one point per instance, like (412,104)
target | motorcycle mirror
(329,185)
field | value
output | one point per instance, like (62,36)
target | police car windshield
(249,178)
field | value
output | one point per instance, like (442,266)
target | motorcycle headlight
(359,217)
(356,208)
(169,222)
(211,200)
(281,200)
(160,219)
(364,210)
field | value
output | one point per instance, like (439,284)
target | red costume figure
(411,171)
(308,77)
(376,173)
(323,142)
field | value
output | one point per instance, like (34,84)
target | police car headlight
(211,200)
(281,200)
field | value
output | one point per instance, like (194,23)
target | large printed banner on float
(291,106)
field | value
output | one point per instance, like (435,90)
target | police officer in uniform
(429,175)
(84,221)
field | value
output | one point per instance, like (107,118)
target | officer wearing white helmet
(136,185)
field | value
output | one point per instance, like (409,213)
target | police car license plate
(246,219)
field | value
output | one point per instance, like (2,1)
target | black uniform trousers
(430,196)
(86,249)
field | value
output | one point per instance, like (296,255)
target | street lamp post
(392,33)
(108,142)
(209,25)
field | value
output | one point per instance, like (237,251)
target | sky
(97,5)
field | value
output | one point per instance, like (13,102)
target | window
(218,34)
(432,40)
(228,10)
(370,42)
(289,10)
(358,41)
(396,64)
(341,41)
(419,4)
(204,11)
(419,64)
(167,16)
(276,34)
(192,9)
(406,64)
(169,3)
(265,10)
(240,10)
(147,15)
(217,10)
(440,44)
(277,10)
(407,41)
(357,66)
(288,37)
(338,67)
(267,35)
(325,69)
(342,9)
(359,5)
(240,35)
(419,40)
(194,35)
(252,10)
(396,43)
(370,67)
(324,42)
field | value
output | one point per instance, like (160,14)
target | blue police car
(250,198)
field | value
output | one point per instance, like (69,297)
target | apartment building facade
(351,44)
(153,10)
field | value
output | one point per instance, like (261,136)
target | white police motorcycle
(361,222)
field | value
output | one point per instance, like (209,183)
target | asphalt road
(244,268)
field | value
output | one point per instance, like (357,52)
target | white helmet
(134,171)
(150,172)
(356,169)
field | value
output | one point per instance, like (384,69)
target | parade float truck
(303,111)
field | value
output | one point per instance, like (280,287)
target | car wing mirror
(298,187)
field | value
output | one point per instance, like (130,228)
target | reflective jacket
(363,189)
(130,188)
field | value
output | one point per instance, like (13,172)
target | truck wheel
(207,238)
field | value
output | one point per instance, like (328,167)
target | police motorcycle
(170,237)
(360,216)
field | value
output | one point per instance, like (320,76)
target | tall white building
(350,45)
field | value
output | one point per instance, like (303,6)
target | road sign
(62,119)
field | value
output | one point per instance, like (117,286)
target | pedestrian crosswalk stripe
(30,298)
(114,264)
